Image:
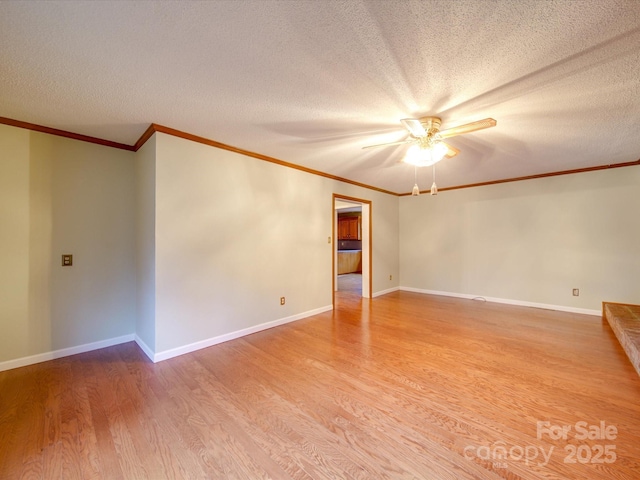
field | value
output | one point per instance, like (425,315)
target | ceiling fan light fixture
(425,156)
(427,145)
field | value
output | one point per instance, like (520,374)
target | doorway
(351,252)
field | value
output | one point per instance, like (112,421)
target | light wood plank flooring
(402,386)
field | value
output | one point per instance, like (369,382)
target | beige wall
(14,245)
(234,234)
(175,244)
(530,241)
(63,196)
(145,208)
(181,242)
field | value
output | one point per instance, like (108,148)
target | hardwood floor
(402,386)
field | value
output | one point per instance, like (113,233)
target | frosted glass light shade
(424,157)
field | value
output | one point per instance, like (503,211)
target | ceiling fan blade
(414,126)
(408,140)
(468,128)
(451,151)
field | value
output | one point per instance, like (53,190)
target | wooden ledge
(625,323)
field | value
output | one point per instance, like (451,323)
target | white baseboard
(384,292)
(560,308)
(192,347)
(64,352)
(157,357)
(144,347)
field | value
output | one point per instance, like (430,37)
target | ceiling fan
(425,137)
(427,147)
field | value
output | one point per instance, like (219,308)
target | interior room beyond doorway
(351,246)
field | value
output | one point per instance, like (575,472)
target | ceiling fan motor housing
(431,123)
(432,127)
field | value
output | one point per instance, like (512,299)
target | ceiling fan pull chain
(434,187)
(416,191)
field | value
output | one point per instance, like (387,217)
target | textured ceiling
(311,82)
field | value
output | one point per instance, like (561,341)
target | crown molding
(532,177)
(154,127)
(63,133)
(259,156)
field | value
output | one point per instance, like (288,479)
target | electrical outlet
(576,292)
(329,240)
(390,277)
(67,260)
(281,300)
